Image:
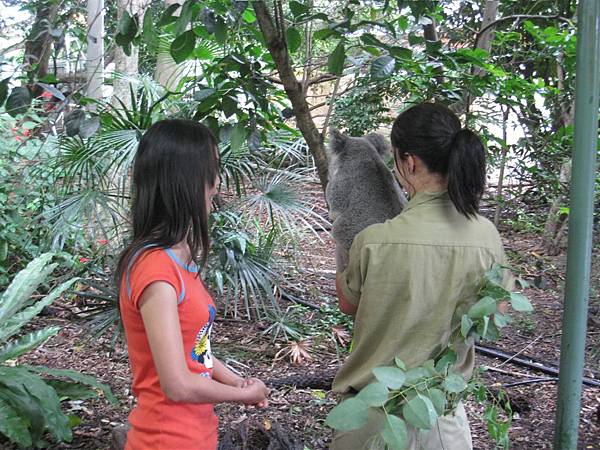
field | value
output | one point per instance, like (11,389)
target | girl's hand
(256,391)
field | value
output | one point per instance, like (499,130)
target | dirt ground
(301,412)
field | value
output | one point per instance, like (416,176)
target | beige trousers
(449,433)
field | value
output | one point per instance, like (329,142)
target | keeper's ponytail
(433,133)
(466,172)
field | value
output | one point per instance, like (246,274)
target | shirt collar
(426,197)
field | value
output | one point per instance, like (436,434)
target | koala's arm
(338,195)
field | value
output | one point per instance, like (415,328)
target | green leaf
(298,9)
(392,377)
(351,414)
(324,33)
(72,390)
(374,394)
(27,385)
(203,94)
(454,383)
(238,136)
(220,31)
(438,398)
(496,273)
(13,426)
(484,307)
(294,39)
(415,375)
(400,363)
(447,359)
(383,67)
(249,16)
(520,303)
(149,31)
(369,39)
(401,52)
(501,320)
(183,46)
(26,343)
(18,101)
(77,377)
(167,16)
(395,433)
(127,26)
(419,412)
(335,62)
(185,16)
(23,285)
(18,320)
(465,326)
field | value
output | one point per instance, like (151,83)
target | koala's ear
(380,143)
(337,141)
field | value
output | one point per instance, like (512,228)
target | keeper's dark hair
(433,133)
(175,163)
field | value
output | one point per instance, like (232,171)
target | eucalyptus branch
(518,17)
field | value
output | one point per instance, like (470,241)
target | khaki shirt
(412,278)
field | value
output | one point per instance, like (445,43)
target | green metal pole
(572,349)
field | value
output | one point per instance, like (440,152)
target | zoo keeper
(410,280)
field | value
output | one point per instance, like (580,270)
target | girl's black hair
(175,163)
(434,134)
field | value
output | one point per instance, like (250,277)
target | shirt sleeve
(150,267)
(351,279)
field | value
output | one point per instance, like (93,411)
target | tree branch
(293,88)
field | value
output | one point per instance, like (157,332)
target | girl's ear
(411,163)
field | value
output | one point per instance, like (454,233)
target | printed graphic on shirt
(201,351)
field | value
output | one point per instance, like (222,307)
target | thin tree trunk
(503,158)
(293,88)
(95,49)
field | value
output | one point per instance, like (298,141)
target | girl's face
(209,193)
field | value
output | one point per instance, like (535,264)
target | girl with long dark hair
(410,280)
(166,310)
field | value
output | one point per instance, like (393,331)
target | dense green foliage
(30,403)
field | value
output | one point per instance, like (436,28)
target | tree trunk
(293,88)
(503,157)
(95,49)
(126,66)
(38,45)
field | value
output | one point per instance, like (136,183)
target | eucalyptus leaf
(238,136)
(351,414)
(454,383)
(395,433)
(392,377)
(438,398)
(374,394)
(420,412)
(298,9)
(203,94)
(168,16)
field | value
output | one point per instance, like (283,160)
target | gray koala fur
(361,189)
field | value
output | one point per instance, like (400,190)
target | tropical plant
(417,396)
(30,396)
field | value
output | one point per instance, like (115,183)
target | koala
(361,189)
